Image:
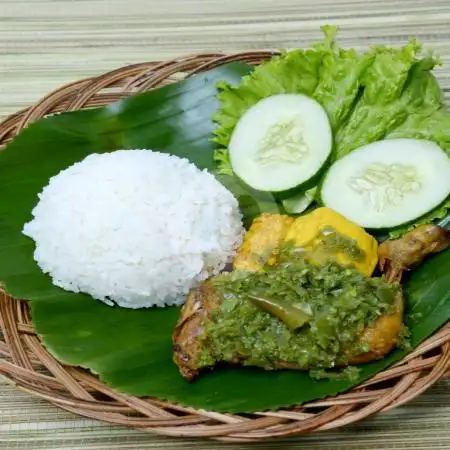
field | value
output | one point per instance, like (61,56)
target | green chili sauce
(335,242)
(340,301)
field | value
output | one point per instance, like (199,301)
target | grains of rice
(134,227)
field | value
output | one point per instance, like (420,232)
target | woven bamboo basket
(25,361)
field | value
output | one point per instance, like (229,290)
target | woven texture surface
(240,26)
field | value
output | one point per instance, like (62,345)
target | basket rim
(25,361)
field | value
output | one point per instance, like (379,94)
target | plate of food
(260,249)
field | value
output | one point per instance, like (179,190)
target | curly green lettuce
(381,93)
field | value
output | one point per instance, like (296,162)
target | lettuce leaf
(389,97)
(432,125)
(340,76)
(382,93)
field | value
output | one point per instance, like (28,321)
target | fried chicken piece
(306,232)
(381,336)
(262,241)
(402,254)
(197,313)
(260,247)
(194,316)
(269,231)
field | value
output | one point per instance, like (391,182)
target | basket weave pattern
(26,362)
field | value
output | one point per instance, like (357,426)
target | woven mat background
(46,43)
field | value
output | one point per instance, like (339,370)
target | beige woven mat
(45,43)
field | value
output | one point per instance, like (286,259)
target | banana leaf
(174,119)
(131,350)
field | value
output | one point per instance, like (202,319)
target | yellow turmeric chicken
(345,242)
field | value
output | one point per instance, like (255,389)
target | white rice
(134,227)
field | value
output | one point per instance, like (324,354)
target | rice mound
(135,228)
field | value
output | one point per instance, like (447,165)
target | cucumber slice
(281,142)
(300,202)
(388,183)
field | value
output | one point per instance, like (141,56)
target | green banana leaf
(174,119)
(131,350)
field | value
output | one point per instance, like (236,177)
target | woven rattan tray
(25,361)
